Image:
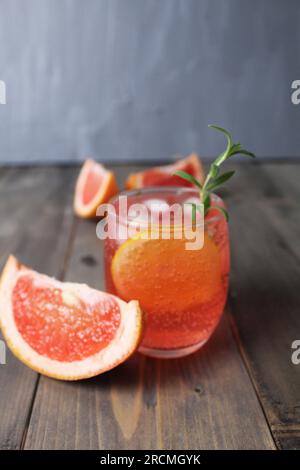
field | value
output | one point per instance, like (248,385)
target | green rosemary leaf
(214,170)
(221,129)
(224,155)
(235,148)
(188,177)
(195,208)
(220,180)
(243,152)
(223,212)
(212,179)
(206,203)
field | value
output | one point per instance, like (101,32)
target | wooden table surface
(241,391)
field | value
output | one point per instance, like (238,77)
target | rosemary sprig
(213,179)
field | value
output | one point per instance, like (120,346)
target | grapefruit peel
(95,185)
(164,175)
(123,345)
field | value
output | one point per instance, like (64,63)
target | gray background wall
(141,79)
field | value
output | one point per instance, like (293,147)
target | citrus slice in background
(164,276)
(65,330)
(95,185)
(164,175)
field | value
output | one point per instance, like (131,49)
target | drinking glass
(181,291)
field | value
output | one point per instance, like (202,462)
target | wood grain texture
(202,401)
(265,229)
(35,226)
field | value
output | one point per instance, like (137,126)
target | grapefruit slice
(164,175)
(65,330)
(95,185)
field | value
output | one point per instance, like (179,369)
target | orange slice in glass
(164,276)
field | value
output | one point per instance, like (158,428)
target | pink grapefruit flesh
(164,175)
(65,330)
(95,185)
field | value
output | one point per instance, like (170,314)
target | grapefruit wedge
(164,175)
(65,330)
(95,185)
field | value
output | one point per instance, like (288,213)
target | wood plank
(265,229)
(202,401)
(36,223)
